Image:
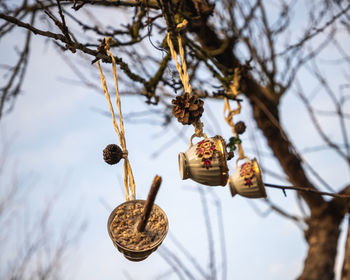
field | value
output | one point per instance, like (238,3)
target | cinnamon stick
(149,203)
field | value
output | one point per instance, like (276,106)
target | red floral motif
(247,173)
(207,163)
(248,182)
(205,150)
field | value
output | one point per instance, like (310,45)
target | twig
(299,221)
(284,137)
(74,46)
(222,238)
(165,275)
(209,234)
(315,31)
(283,188)
(149,203)
(317,125)
(171,263)
(12,88)
(188,255)
(180,264)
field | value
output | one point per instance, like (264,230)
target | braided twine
(129,182)
(182,69)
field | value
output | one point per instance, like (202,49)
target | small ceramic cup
(205,162)
(246,180)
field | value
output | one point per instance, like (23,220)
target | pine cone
(230,155)
(187,109)
(112,154)
(240,127)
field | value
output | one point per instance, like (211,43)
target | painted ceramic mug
(246,180)
(205,162)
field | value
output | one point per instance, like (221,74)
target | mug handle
(194,135)
(245,157)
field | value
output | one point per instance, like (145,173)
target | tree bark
(346,264)
(322,238)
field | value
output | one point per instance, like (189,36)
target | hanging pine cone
(230,155)
(112,154)
(240,127)
(187,110)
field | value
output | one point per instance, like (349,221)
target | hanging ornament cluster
(206,161)
(136,227)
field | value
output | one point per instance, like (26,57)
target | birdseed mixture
(124,226)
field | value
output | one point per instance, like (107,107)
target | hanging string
(129,182)
(230,113)
(198,129)
(182,69)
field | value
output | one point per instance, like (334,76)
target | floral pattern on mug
(247,173)
(205,150)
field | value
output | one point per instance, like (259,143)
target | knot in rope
(125,154)
(108,41)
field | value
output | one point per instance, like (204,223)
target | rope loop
(181,68)
(129,182)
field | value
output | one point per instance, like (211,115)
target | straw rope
(198,129)
(230,113)
(129,182)
(182,69)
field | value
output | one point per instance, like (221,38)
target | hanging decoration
(136,227)
(246,180)
(187,109)
(112,154)
(206,161)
